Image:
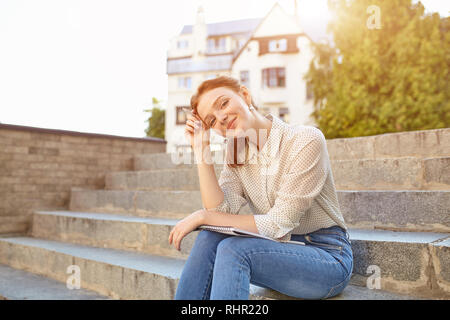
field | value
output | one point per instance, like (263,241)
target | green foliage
(374,81)
(156,121)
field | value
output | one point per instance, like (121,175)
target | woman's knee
(208,239)
(232,247)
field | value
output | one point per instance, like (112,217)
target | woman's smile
(232,124)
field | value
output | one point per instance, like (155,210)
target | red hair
(234,85)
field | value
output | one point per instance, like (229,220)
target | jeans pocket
(324,241)
(329,243)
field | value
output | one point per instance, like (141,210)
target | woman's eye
(214,120)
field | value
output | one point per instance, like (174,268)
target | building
(270,56)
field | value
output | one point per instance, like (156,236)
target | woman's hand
(184,227)
(196,133)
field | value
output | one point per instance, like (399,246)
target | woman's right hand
(195,132)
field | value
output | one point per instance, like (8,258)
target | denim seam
(291,254)
(333,289)
(318,244)
(239,280)
(336,247)
(326,232)
(241,275)
(204,297)
(339,259)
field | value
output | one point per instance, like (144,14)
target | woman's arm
(210,190)
(212,194)
(215,218)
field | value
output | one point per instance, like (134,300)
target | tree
(156,121)
(371,81)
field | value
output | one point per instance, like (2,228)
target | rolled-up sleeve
(301,183)
(233,195)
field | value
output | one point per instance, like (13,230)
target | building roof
(315,32)
(227,27)
(224,62)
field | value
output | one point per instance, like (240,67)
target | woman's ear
(245,93)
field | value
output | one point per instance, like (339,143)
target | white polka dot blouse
(288,184)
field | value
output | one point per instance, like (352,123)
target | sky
(94,65)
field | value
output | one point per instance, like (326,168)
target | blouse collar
(272,146)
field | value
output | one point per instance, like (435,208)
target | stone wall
(419,144)
(38,168)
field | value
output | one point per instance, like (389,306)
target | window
(245,78)
(284,114)
(181,116)
(277,45)
(216,45)
(211,44)
(184,82)
(222,44)
(286,45)
(182,44)
(273,77)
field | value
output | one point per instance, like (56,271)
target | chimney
(295,15)
(200,34)
(200,19)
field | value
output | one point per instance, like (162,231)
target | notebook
(242,233)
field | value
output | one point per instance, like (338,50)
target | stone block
(396,210)
(378,174)
(437,170)
(422,143)
(351,148)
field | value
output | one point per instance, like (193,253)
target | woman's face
(221,107)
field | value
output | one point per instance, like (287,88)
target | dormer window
(285,44)
(278,45)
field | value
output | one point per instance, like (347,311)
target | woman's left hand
(184,227)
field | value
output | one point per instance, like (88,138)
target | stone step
(406,210)
(181,160)
(408,173)
(125,275)
(114,273)
(419,144)
(162,179)
(158,204)
(140,234)
(408,261)
(22,285)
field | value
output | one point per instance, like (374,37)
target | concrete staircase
(395,200)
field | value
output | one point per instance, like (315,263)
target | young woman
(283,172)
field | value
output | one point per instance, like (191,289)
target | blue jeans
(220,266)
